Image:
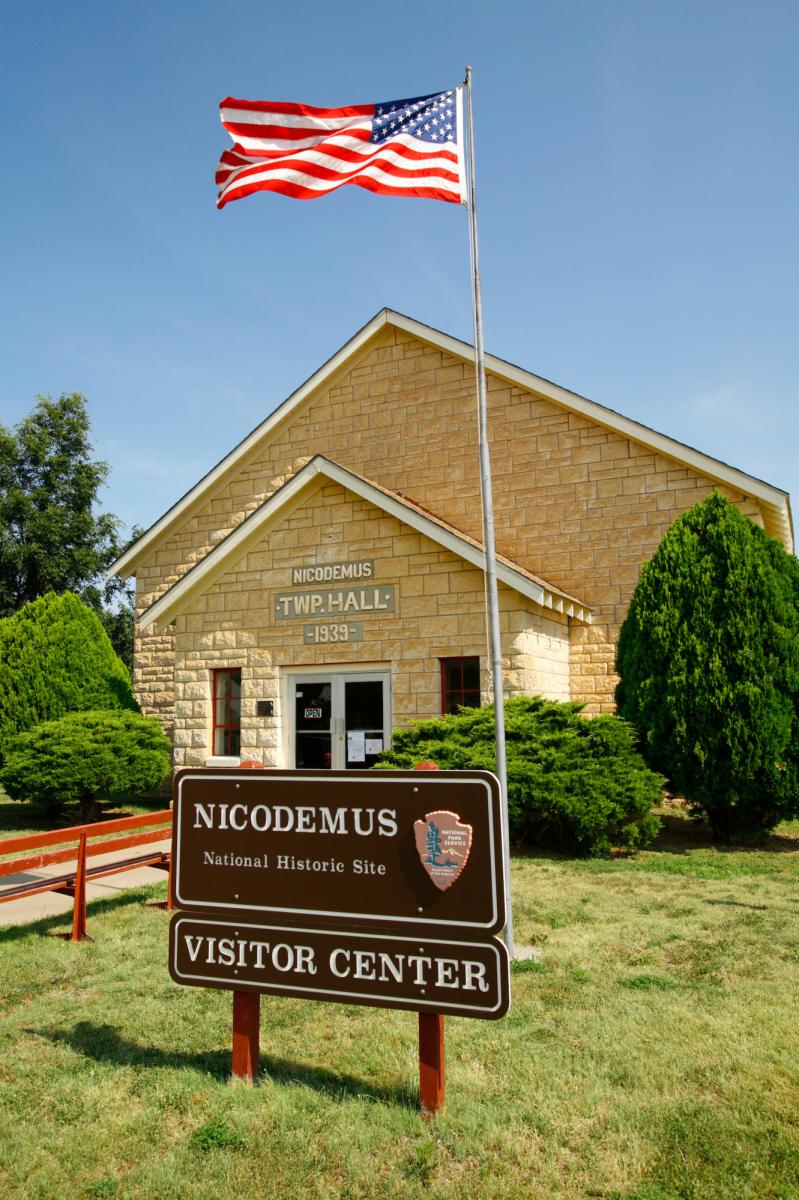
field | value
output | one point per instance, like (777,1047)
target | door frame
(338,676)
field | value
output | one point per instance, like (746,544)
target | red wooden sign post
(79,933)
(246,1012)
(431,1061)
(246,1034)
(431,1039)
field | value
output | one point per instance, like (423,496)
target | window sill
(222,760)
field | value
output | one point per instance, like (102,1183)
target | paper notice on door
(373,745)
(356,746)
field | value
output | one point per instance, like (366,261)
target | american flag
(399,148)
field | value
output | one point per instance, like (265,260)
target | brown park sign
(464,979)
(397,850)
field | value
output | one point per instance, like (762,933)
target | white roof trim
(313,475)
(777,513)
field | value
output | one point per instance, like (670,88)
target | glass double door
(339,720)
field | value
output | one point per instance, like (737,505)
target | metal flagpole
(488,517)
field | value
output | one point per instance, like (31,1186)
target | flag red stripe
(384,189)
(300,110)
(290,133)
(298,192)
(300,183)
(324,171)
(343,154)
(327,173)
(324,145)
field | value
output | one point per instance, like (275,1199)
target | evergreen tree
(433,841)
(55,658)
(86,758)
(573,784)
(708,659)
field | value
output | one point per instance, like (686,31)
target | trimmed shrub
(708,660)
(85,758)
(55,658)
(574,784)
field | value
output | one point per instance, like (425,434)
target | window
(227,712)
(460,683)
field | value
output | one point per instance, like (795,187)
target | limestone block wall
(539,659)
(193,703)
(575,502)
(439,614)
(153,673)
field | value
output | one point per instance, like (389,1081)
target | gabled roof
(295,491)
(774,501)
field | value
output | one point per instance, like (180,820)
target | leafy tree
(85,758)
(51,540)
(708,660)
(574,784)
(119,624)
(55,658)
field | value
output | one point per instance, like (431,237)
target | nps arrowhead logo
(443,846)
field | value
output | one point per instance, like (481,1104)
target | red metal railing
(78,850)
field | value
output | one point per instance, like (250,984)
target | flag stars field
(417,117)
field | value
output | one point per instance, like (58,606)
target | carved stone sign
(355,967)
(342,848)
(331,572)
(337,603)
(322,634)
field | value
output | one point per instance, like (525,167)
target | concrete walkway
(54,904)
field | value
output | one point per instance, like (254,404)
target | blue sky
(638,173)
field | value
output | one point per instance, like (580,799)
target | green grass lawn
(651,1054)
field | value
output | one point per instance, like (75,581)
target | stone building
(323,582)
